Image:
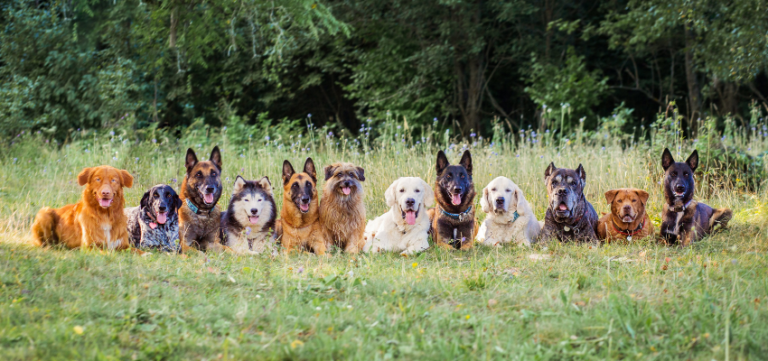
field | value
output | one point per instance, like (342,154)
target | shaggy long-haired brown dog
(342,211)
(97,220)
(299,226)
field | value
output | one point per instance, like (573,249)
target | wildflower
(266,138)
(434,120)
(301,270)
(114,158)
(472,135)
(299,135)
(398,127)
(414,265)
(517,156)
(112,132)
(78,330)
(173,180)
(87,151)
(137,159)
(581,120)
(15,159)
(309,115)
(226,179)
(154,140)
(733,261)
(225,128)
(545,107)
(247,230)
(603,148)
(467,317)
(242,155)
(242,170)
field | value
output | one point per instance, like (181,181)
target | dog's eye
(199,175)
(685,174)
(674,174)
(493,189)
(167,195)
(114,180)
(339,174)
(418,190)
(98,179)
(213,174)
(509,190)
(402,191)
(462,176)
(156,195)
(246,200)
(309,184)
(634,200)
(259,200)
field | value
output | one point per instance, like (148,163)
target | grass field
(630,301)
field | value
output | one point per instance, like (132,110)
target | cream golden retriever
(405,228)
(509,216)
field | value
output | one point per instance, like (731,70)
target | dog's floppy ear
(126,177)
(582,174)
(84,176)
(265,184)
(216,157)
(329,169)
(429,195)
(466,161)
(190,160)
(390,196)
(287,171)
(176,202)
(144,203)
(442,163)
(666,159)
(516,198)
(693,160)
(309,168)
(239,184)
(360,172)
(643,196)
(550,169)
(485,204)
(611,195)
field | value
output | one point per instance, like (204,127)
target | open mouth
(562,207)
(162,217)
(304,208)
(455,198)
(254,219)
(679,194)
(105,202)
(346,190)
(627,219)
(410,215)
(208,198)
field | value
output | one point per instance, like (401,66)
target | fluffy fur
(200,228)
(342,211)
(627,220)
(501,199)
(299,226)
(155,222)
(569,216)
(97,220)
(454,194)
(249,221)
(405,228)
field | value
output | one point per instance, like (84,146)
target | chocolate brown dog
(627,220)
(342,211)
(569,216)
(684,219)
(453,220)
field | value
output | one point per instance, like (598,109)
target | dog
(200,216)
(627,219)
(97,220)
(299,226)
(155,222)
(249,222)
(342,211)
(569,216)
(405,228)
(684,219)
(509,216)
(453,219)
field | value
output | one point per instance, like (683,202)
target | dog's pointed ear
(666,159)
(693,160)
(216,157)
(84,176)
(550,169)
(429,195)
(309,168)
(190,160)
(485,203)
(266,185)
(611,195)
(643,196)
(127,178)
(144,203)
(390,196)
(329,169)
(442,163)
(287,171)
(239,184)
(466,161)
(582,174)
(360,172)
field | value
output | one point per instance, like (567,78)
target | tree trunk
(469,89)
(694,91)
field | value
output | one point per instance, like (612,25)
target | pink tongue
(209,198)
(105,202)
(346,190)
(304,207)
(410,217)
(162,217)
(253,219)
(563,207)
(456,199)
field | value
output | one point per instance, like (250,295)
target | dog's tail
(720,217)
(44,228)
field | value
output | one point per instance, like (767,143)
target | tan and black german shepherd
(200,215)
(299,226)
(453,220)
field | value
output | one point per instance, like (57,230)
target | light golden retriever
(509,216)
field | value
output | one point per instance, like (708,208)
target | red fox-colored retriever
(97,220)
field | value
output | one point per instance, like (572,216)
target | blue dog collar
(458,216)
(516,217)
(192,206)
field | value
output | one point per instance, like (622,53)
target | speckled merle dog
(154,223)
(569,216)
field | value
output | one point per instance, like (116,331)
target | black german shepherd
(453,220)
(683,218)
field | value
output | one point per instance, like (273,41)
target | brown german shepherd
(200,215)
(299,226)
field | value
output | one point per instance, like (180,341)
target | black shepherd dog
(453,220)
(683,218)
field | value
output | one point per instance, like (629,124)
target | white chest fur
(111,244)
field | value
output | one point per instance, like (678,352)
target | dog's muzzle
(499,207)
(410,214)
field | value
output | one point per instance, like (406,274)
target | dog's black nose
(410,202)
(456,190)
(209,190)
(347,183)
(305,200)
(254,211)
(679,189)
(162,208)
(627,207)
(562,191)
(500,200)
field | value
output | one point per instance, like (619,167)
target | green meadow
(639,300)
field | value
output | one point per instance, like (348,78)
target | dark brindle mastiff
(683,218)
(200,216)
(453,220)
(569,216)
